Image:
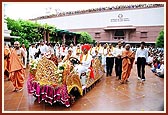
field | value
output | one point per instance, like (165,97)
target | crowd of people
(121,57)
(102,9)
(156,61)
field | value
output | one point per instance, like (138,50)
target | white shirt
(104,52)
(43,49)
(57,50)
(162,67)
(50,50)
(141,53)
(99,49)
(86,61)
(92,51)
(111,53)
(73,50)
(161,70)
(25,51)
(150,59)
(118,51)
(32,52)
(63,52)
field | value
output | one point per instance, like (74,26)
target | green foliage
(61,68)
(52,33)
(85,37)
(59,40)
(31,32)
(28,31)
(94,41)
(160,39)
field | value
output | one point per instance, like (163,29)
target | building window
(97,35)
(143,35)
(119,34)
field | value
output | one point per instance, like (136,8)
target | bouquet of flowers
(33,65)
(59,72)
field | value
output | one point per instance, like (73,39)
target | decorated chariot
(61,83)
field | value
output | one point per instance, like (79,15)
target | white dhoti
(104,62)
(81,69)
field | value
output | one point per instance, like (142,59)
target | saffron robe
(127,63)
(17,74)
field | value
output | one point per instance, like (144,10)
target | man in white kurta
(25,52)
(85,61)
(118,60)
(77,52)
(104,54)
(63,51)
(43,49)
(92,50)
(99,48)
(32,51)
(73,48)
(57,49)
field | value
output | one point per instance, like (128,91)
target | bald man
(128,57)
(17,74)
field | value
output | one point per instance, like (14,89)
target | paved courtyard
(107,96)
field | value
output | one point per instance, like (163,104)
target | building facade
(7,36)
(131,25)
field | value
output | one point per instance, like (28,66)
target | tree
(160,39)
(85,37)
(28,31)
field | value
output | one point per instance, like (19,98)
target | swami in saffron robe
(16,70)
(127,63)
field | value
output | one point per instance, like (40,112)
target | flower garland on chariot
(54,79)
(45,73)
